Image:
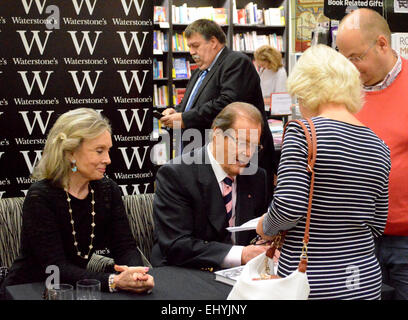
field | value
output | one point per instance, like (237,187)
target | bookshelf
(264,21)
(170,21)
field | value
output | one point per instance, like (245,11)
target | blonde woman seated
(73,211)
(350,202)
(271,72)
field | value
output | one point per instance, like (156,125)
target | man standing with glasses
(223,76)
(364,38)
(199,195)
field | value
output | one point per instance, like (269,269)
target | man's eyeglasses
(362,56)
(244,145)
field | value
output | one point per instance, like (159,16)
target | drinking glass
(61,291)
(88,289)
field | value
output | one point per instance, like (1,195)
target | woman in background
(350,201)
(73,211)
(271,71)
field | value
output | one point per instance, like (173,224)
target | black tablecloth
(171,283)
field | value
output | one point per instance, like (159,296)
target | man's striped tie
(227,195)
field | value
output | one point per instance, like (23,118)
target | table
(171,283)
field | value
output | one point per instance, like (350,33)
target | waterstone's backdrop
(58,55)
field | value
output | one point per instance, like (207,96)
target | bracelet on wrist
(112,284)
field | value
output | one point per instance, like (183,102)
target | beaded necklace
(73,228)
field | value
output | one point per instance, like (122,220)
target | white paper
(280,103)
(249,225)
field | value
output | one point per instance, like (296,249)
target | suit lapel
(210,74)
(211,196)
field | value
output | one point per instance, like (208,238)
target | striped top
(350,205)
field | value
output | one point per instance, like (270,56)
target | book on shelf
(250,41)
(276,127)
(180,42)
(159,14)
(184,14)
(160,42)
(260,13)
(178,93)
(274,16)
(181,68)
(220,16)
(241,16)
(158,72)
(228,276)
(193,66)
(252,15)
(160,96)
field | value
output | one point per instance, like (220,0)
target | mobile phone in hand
(157,114)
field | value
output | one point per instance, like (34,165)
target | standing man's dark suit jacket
(190,216)
(232,78)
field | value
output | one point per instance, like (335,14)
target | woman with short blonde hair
(350,198)
(324,76)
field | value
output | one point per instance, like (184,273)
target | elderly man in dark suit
(222,77)
(198,195)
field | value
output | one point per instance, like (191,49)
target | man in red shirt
(364,38)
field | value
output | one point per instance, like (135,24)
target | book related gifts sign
(337,9)
(394,11)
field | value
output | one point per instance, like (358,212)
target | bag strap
(311,140)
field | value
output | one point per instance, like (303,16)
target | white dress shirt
(233,258)
(272,82)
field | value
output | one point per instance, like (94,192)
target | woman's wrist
(112,283)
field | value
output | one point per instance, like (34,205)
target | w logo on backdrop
(36,80)
(37,119)
(28,3)
(89,5)
(127,5)
(35,39)
(135,117)
(86,78)
(28,159)
(135,155)
(85,39)
(134,39)
(135,79)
